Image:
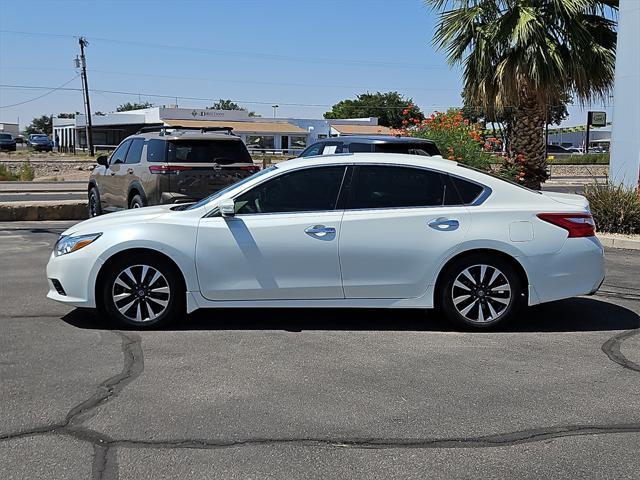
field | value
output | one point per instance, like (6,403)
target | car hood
(568,199)
(104,222)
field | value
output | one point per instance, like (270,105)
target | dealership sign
(202,114)
(597,119)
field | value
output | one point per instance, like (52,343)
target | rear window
(223,152)
(5,136)
(418,148)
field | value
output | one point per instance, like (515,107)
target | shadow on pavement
(573,315)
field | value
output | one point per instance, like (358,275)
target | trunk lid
(568,199)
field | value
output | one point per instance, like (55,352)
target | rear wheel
(480,292)
(136,202)
(142,291)
(95,208)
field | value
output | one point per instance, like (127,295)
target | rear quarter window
(156,150)
(464,192)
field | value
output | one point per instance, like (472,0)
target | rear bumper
(576,269)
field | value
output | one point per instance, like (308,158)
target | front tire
(480,292)
(142,291)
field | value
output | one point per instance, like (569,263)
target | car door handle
(130,170)
(319,231)
(444,224)
(111,172)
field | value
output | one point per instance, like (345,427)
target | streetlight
(275,110)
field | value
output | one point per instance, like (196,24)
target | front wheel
(480,292)
(143,291)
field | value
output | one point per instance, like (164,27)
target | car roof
(375,139)
(435,161)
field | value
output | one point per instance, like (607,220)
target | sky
(302,55)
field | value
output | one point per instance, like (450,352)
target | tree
(125,107)
(68,115)
(40,125)
(388,107)
(526,54)
(230,105)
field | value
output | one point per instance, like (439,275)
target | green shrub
(6,174)
(26,172)
(615,208)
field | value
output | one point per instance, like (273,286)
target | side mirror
(227,207)
(103,160)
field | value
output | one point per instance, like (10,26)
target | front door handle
(130,170)
(444,224)
(319,231)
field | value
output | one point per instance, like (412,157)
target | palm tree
(525,55)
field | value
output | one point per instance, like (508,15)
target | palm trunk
(528,140)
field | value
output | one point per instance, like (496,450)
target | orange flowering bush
(456,138)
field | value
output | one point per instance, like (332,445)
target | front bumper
(76,273)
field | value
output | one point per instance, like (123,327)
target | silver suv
(161,165)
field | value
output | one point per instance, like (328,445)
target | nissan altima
(350,231)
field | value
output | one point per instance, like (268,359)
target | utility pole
(85,85)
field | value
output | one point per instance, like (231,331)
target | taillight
(167,169)
(577,224)
(251,168)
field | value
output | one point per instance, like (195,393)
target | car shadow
(572,315)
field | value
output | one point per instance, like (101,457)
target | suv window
(360,147)
(418,148)
(5,136)
(308,190)
(223,152)
(120,153)
(135,151)
(394,187)
(315,149)
(156,150)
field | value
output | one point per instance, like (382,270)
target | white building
(287,135)
(8,127)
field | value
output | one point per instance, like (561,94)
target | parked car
(558,150)
(167,165)
(40,142)
(575,150)
(373,143)
(361,230)
(7,142)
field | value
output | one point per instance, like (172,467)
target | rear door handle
(319,231)
(444,224)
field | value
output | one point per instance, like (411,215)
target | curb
(628,242)
(30,211)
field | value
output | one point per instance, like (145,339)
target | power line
(43,95)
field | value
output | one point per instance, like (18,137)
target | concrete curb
(29,211)
(628,242)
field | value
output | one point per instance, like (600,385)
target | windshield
(498,177)
(5,136)
(208,151)
(219,193)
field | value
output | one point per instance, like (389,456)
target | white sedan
(356,230)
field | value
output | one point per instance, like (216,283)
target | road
(42,191)
(236,394)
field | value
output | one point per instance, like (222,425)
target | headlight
(70,244)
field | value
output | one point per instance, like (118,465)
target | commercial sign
(202,114)
(597,119)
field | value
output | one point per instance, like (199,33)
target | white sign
(202,114)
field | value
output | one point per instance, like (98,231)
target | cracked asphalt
(315,393)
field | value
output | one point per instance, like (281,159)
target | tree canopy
(230,105)
(388,107)
(125,107)
(40,125)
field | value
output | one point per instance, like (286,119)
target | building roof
(243,127)
(361,129)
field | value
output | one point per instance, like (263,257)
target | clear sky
(303,55)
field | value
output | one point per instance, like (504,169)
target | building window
(261,142)
(298,143)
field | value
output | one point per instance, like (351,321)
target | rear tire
(136,202)
(142,291)
(479,292)
(95,208)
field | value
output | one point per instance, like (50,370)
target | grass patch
(590,159)
(615,208)
(24,174)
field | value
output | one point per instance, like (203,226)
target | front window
(261,142)
(222,152)
(308,190)
(120,153)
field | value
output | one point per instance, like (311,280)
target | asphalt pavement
(235,394)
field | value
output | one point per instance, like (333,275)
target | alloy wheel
(481,293)
(141,293)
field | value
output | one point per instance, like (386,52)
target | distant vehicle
(373,143)
(20,139)
(574,150)
(161,165)
(40,142)
(557,149)
(7,142)
(360,230)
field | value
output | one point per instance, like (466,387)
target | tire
(137,202)
(95,207)
(142,291)
(469,296)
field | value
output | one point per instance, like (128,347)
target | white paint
(625,135)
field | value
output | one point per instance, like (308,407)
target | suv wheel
(479,292)
(136,202)
(144,291)
(95,208)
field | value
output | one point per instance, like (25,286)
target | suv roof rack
(163,129)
